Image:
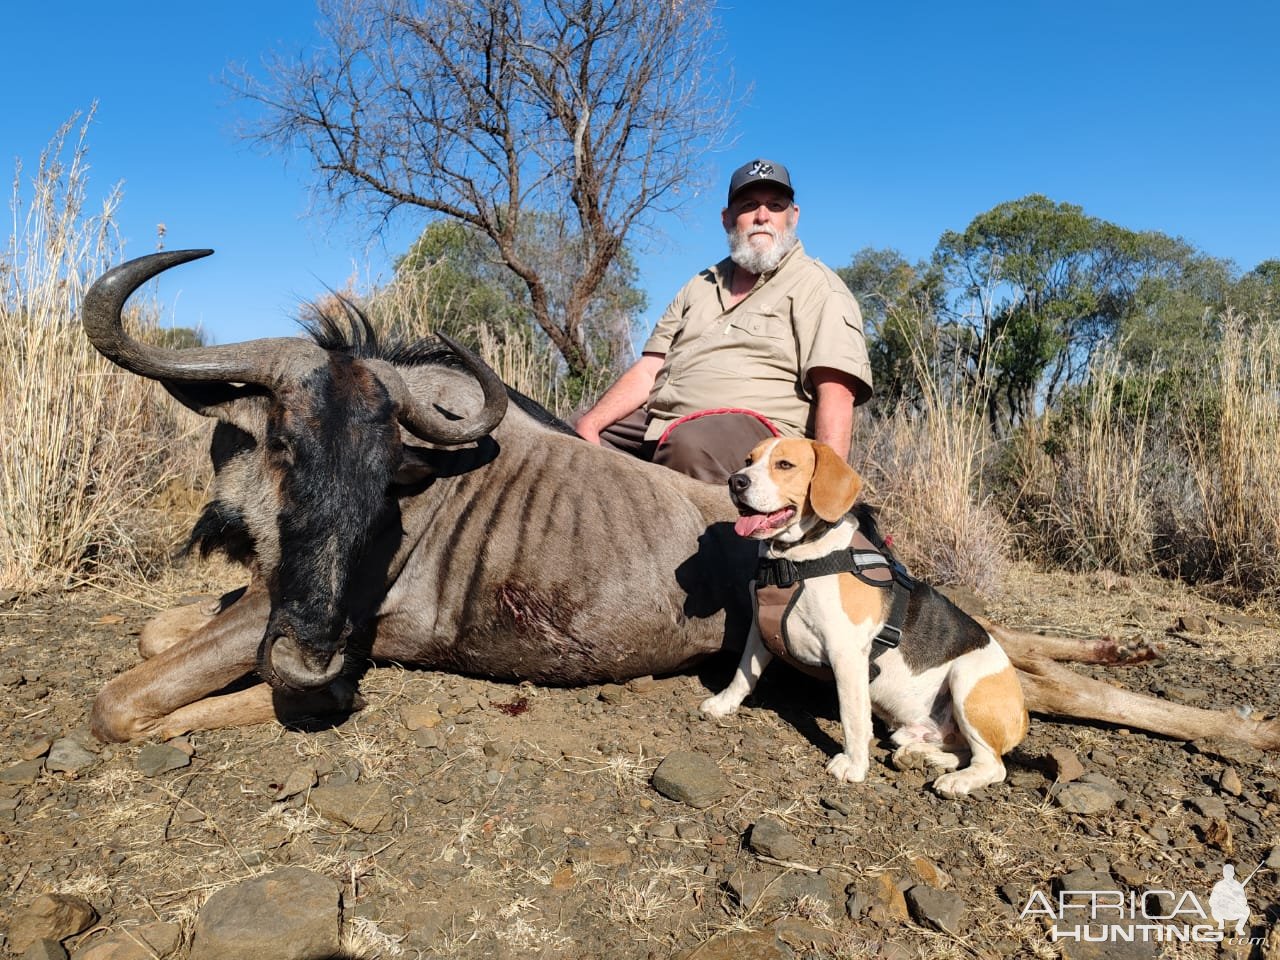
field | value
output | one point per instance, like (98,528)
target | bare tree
(593,111)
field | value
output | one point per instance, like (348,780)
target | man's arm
(624,397)
(833,417)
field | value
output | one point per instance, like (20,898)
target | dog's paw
(918,755)
(961,783)
(718,706)
(845,768)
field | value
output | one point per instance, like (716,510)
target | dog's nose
(738,482)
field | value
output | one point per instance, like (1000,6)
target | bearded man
(767,342)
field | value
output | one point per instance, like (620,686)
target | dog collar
(781,572)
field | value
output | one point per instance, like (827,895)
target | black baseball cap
(760,171)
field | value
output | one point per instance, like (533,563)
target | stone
(770,887)
(157,758)
(770,838)
(35,748)
(939,909)
(45,950)
(421,716)
(22,774)
(67,756)
(1228,750)
(930,873)
(298,780)
(52,916)
(690,777)
(1229,782)
(741,945)
(1064,764)
(292,914)
(1211,807)
(1193,624)
(1084,798)
(367,807)
(887,901)
(148,941)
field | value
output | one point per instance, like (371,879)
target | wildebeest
(399,502)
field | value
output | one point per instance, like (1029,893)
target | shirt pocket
(767,321)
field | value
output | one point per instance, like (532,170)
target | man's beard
(760,260)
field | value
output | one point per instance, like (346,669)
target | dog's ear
(835,484)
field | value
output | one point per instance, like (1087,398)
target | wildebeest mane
(358,339)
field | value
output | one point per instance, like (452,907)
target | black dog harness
(779,582)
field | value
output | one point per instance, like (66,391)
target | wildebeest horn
(256,362)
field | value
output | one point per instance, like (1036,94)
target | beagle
(946,689)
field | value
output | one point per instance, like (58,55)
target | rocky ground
(461,818)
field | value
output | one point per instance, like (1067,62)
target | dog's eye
(785,465)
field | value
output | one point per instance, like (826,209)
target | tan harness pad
(772,604)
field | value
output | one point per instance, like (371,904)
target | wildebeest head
(307,450)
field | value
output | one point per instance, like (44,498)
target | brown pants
(708,448)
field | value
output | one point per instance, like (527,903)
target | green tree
(1035,287)
(900,304)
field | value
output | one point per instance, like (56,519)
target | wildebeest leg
(1019,643)
(173,626)
(137,703)
(1058,691)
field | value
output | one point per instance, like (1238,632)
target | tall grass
(1082,478)
(84,447)
(926,467)
(1232,442)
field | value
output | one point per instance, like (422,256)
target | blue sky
(897,122)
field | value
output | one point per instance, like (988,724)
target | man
(768,341)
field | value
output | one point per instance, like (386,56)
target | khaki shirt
(759,353)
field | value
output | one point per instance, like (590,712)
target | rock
(642,685)
(691,778)
(1229,782)
(741,945)
(887,901)
(421,716)
(1211,807)
(1228,750)
(1083,879)
(1193,624)
(146,942)
(45,950)
(366,807)
(1270,948)
(298,780)
(1273,858)
(613,694)
(67,756)
(769,887)
(935,908)
(770,838)
(1064,765)
(22,774)
(1084,798)
(35,748)
(930,873)
(292,914)
(157,758)
(53,916)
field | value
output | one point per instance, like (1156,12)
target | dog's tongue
(747,525)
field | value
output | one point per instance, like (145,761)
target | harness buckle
(889,635)
(785,573)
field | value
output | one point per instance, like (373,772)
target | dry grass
(80,488)
(1234,459)
(926,469)
(1083,482)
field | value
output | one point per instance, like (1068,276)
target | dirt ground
(524,821)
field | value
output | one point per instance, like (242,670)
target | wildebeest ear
(241,405)
(413,469)
(835,484)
